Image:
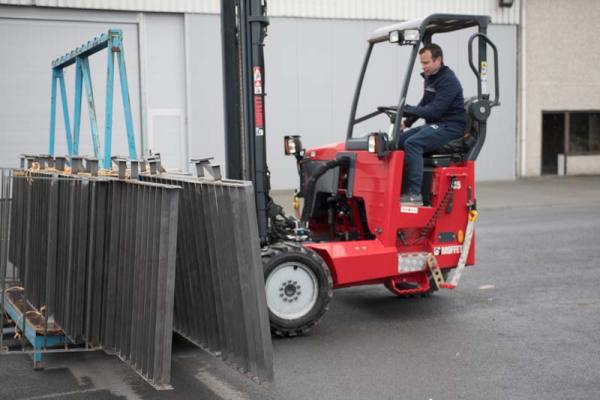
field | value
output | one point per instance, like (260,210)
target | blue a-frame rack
(113,42)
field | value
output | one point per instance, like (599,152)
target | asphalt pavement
(524,323)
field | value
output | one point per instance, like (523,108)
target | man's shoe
(411,199)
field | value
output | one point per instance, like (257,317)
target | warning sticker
(258,112)
(257,81)
(409,210)
(484,69)
(484,77)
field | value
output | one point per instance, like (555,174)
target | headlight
(377,144)
(292,145)
(372,144)
(411,35)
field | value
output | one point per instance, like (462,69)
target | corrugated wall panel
(18,2)
(346,9)
(391,9)
(178,6)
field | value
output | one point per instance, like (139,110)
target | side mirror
(292,145)
(377,144)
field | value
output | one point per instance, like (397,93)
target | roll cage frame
(427,27)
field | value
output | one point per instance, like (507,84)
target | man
(443,110)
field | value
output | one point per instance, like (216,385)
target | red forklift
(353,229)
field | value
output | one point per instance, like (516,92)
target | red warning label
(258,112)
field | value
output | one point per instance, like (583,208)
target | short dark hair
(436,51)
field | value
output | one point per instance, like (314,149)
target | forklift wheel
(298,285)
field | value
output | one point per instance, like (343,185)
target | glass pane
(382,85)
(584,135)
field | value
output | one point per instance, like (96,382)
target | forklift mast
(243,30)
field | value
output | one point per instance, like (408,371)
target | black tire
(292,255)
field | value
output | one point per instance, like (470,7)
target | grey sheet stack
(99,254)
(7,272)
(220,299)
(119,264)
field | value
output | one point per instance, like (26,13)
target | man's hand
(408,122)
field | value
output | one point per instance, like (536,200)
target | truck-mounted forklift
(353,229)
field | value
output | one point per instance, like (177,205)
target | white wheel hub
(291,290)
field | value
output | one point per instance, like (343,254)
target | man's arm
(446,91)
(411,119)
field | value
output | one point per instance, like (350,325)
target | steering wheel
(390,111)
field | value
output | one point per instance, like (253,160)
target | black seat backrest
(460,147)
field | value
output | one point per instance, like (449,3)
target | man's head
(432,58)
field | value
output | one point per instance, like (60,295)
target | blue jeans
(424,139)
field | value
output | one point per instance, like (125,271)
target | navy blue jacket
(442,100)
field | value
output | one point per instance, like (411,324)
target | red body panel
(378,183)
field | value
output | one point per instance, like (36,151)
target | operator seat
(457,149)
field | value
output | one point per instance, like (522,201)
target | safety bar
(483,65)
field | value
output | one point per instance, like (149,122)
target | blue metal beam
(52,112)
(87,79)
(108,109)
(85,50)
(38,342)
(64,101)
(118,44)
(77,106)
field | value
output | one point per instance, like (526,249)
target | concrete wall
(583,165)
(561,65)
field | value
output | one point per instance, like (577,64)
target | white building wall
(174,68)
(312,71)
(155,58)
(165,97)
(29,40)
(206,126)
